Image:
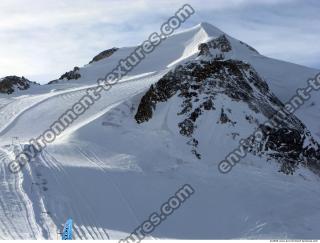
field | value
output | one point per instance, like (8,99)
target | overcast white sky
(41,39)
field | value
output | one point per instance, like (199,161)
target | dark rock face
(197,83)
(71,75)
(104,54)
(9,83)
(234,77)
(164,89)
(221,43)
(291,147)
(224,117)
(74,74)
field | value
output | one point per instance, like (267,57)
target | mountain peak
(210,29)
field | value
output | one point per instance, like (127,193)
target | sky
(41,40)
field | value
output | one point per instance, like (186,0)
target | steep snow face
(137,145)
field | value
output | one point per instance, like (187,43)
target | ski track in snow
(14,110)
(35,203)
(17,216)
(13,200)
(16,208)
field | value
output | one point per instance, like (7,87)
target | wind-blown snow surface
(109,173)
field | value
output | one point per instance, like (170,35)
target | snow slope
(109,173)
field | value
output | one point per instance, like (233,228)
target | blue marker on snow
(67,230)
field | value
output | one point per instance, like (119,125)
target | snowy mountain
(235,99)
(167,123)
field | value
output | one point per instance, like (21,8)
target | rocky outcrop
(10,83)
(198,83)
(71,75)
(74,74)
(236,78)
(221,44)
(104,54)
(290,146)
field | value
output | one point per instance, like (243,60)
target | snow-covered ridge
(117,163)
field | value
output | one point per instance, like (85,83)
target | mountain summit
(170,121)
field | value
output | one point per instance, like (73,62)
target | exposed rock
(104,54)
(221,43)
(10,83)
(203,78)
(223,117)
(74,74)
(287,146)
(197,83)
(234,77)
